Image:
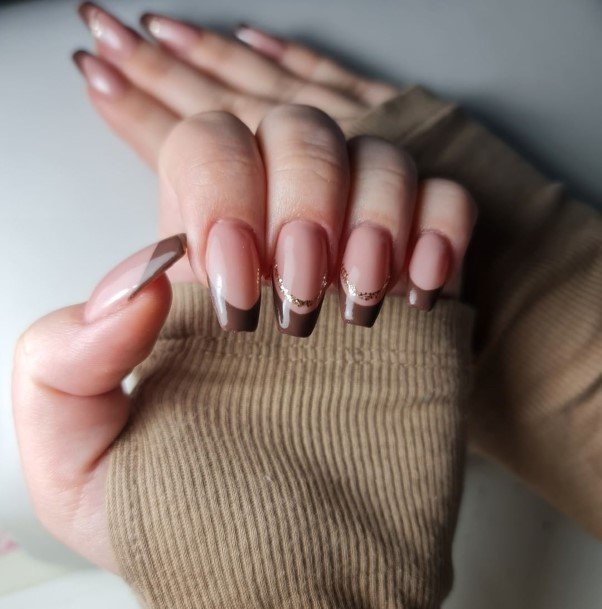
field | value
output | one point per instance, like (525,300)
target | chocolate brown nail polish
(132,275)
(115,39)
(422,299)
(299,276)
(364,275)
(428,270)
(234,275)
(101,76)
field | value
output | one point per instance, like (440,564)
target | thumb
(68,402)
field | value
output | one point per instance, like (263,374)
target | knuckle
(227,150)
(376,155)
(302,122)
(453,194)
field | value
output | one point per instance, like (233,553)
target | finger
(311,66)
(443,224)
(242,68)
(68,402)
(211,170)
(378,224)
(224,59)
(307,171)
(176,85)
(136,117)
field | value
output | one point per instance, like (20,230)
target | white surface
(89,588)
(74,201)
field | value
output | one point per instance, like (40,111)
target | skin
(272,127)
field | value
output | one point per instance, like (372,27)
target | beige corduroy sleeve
(264,471)
(535,277)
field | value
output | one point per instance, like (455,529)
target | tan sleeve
(535,277)
(261,471)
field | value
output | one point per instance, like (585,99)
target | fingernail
(428,270)
(99,75)
(300,276)
(175,35)
(126,280)
(264,43)
(234,275)
(117,40)
(365,274)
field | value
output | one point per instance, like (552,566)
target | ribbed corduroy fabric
(263,471)
(535,279)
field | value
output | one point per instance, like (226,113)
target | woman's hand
(294,199)
(142,89)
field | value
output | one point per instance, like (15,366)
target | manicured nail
(428,270)
(365,274)
(126,280)
(234,275)
(300,276)
(264,43)
(101,76)
(175,35)
(117,40)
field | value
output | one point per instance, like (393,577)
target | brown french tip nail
(422,299)
(234,275)
(117,40)
(364,275)
(428,270)
(299,276)
(132,275)
(101,76)
(175,35)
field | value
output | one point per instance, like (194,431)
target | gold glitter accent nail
(352,289)
(299,302)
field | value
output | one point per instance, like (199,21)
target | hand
(234,197)
(294,193)
(142,90)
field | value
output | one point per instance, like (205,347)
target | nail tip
(423,300)
(299,325)
(78,57)
(84,10)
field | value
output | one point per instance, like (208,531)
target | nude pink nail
(261,41)
(176,35)
(100,75)
(115,40)
(234,275)
(365,274)
(300,276)
(132,275)
(428,270)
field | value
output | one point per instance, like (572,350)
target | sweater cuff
(262,470)
(405,117)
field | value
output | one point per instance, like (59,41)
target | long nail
(175,35)
(234,274)
(365,274)
(300,275)
(260,41)
(428,270)
(117,40)
(132,275)
(100,75)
